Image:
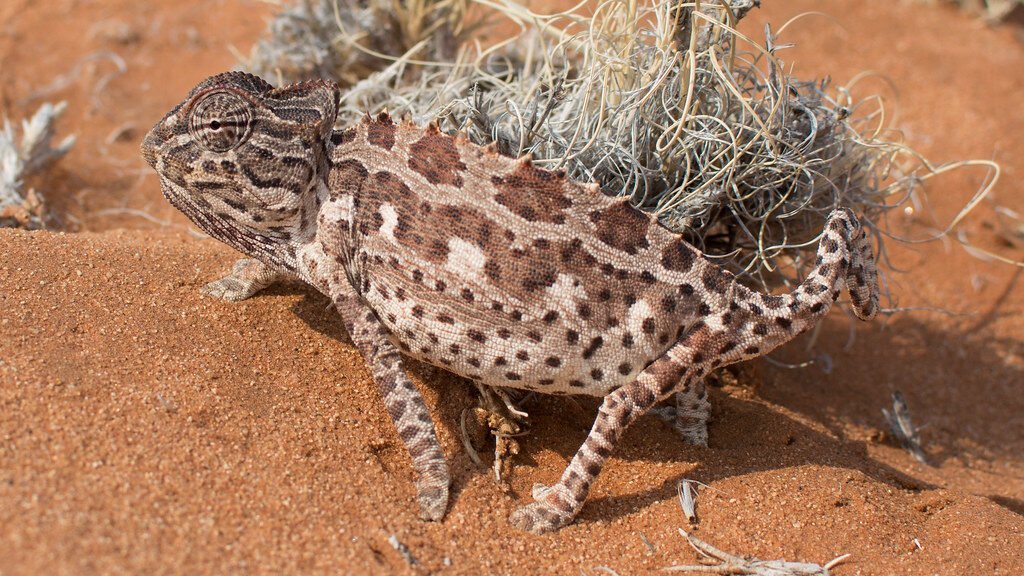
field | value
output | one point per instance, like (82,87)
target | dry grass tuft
(18,161)
(993,11)
(667,103)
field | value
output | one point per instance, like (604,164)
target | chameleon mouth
(149,147)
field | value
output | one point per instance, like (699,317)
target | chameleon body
(487,266)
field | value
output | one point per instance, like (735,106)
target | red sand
(148,429)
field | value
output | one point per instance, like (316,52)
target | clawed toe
(550,512)
(538,518)
(433,500)
(227,288)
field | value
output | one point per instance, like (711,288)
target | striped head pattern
(243,160)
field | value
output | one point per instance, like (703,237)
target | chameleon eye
(220,121)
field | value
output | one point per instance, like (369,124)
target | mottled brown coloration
(487,266)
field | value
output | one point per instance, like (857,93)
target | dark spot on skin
(591,348)
(492,270)
(476,336)
(678,256)
(704,309)
(474,362)
(533,194)
(504,333)
(417,276)
(646,277)
(497,306)
(648,326)
(500,361)
(817,307)
(455,349)
(572,336)
(668,304)
(604,295)
(760,329)
(438,250)
(445,319)
(576,384)
(553,361)
(583,310)
(512,376)
(625,368)
(627,340)
(467,295)
(621,226)
(686,289)
(751,350)
(715,280)
(663,338)
(522,355)
(534,335)
(381,132)
(597,374)
(540,275)
(440,286)
(339,137)
(517,315)
(550,316)
(697,358)
(545,382)
(436,158)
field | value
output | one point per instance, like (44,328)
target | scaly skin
(486,266)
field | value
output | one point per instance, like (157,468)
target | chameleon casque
(484,265)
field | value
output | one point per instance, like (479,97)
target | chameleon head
(240,157)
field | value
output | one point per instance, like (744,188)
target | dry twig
(731,564)
(903,428)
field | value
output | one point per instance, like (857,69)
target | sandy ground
(148,429)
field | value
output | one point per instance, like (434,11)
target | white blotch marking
(636,315)
(714,322)
(387,211)
(566,290)
(341,208)
(464,258)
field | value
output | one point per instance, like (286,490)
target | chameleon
(491,267)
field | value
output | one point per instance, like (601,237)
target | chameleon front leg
(247,277)
(401,398)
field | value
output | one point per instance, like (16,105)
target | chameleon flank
(487,266)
